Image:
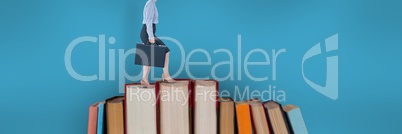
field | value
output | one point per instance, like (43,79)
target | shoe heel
(143,84)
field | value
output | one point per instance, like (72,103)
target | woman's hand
(152,40)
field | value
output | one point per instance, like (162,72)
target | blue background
(39,96)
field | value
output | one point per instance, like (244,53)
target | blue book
(295,119)
(101,122)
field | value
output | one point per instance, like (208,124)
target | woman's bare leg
(166,67)
(166,76)
(145,72)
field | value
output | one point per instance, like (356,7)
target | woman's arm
(149,13)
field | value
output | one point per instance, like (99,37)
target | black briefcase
(150,55)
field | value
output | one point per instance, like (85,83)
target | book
(243,117)
(114,115)
(295,119)
(227,119)
(173,106)
(259,118)
(276,117)
(205,106)
(140,109)
(93,118)
(101,117)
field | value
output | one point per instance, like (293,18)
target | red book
(93,118)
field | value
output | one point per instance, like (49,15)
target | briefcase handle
(153,44)
(148,43)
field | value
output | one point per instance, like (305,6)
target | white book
(174,107)
(140,110)
(205,111)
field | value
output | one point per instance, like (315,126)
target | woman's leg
(166,67)
(145,73)
(166,76)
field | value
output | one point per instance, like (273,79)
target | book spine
(271,130)
(191,104)
(297,121)
(218,113)
(92,119)
(101,115)
(287,122)
(252,120)
(235,124)
(125,108)
(114,116)
(217,94)
(244,122)
(157,107)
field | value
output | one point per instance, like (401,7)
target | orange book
(93,118)
(243,118)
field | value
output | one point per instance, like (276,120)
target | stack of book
(107,117)
(190,107)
